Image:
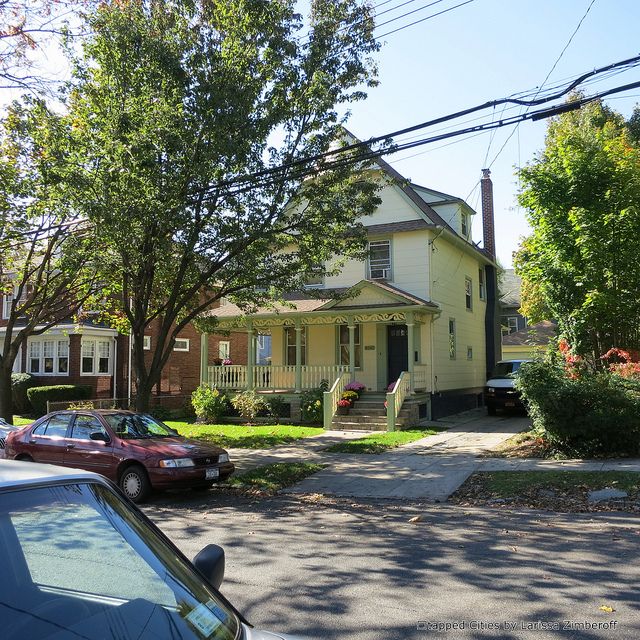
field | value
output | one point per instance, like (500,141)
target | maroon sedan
(134,450)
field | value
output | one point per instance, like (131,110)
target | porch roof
(366,298)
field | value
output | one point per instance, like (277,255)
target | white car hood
(500,383)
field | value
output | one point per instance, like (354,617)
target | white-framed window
(452,338)
(468,293)
(469,353)
(315,279)
(146,343)
(8,298)
(481,286)
(290,345)
(380,260)
(181,344)
(95,357)
(224,349)
(48,357)
(343,345)
(510,326)
(464,224)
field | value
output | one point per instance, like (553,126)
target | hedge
(596,414)
(39,396)
(20,385)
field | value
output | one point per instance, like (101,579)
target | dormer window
(315,279)
(380,260)
(464,224)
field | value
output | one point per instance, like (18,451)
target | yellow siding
(395,207)
(321,344)
(449,266)
(521,352)
(410,262)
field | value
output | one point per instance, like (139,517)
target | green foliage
(39,396)
(209,404)
(273,477)
(311,404)
(248,404)
(582,196)
(173,109)
(161,413)
(383,441)
(81,405)
(352,396)
(20,384)
(277,408)
(592,415)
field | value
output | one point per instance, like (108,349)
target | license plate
(509,404)
(212,473)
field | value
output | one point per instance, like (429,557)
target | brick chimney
(488,224)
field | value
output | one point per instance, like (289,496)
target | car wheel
(24,457)
(134,482)
(491,410)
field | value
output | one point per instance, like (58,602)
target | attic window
(380,260)
(464,224)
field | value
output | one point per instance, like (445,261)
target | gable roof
(539,334)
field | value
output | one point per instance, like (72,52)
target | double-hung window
(48,357)
(468,294)
(96,357)
(380,260)
(343,338)
(290,343)
(452,338)
(8,298)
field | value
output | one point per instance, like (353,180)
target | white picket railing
(331,397)
(396,397)
(282,377)
(421,377)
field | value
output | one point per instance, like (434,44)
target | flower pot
(342,411)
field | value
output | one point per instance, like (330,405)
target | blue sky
(489,49)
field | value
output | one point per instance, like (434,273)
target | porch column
(250,354)
(204,358)
(352,350)
(410,348)
(299,330)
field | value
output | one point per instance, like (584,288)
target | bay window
(48,357)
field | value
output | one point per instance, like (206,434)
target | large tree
(180,111)
(47,257)
(580,264)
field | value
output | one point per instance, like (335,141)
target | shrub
(277,408)
(311,404)
(20,385)
(589,415)
(161,413)
(209,404)
(248,404)
(39,396)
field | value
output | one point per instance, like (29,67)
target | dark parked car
(78,561)
(133,449)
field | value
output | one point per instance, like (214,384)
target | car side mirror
(210,563)
(99,435)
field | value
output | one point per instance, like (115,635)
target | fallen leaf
(607,608)
(416,519)
(515,549)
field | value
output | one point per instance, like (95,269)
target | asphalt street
(362,571)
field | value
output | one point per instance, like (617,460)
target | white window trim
(56,356)
(7,300)
(176,348)
(96,357)
(452,339)
(146,343)
(288,345)
(358,345)
(464,225)
(227,354)
(468,280)
(482,283)
(388,271)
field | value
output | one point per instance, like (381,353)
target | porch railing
(282,377)
(421,376)
(396,397)
(331,397)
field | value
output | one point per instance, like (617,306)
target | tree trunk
(6,398)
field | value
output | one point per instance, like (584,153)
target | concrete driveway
(361,571)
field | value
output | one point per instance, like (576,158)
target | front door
(397,358)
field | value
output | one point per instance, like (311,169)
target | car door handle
(71,446)
(32,441)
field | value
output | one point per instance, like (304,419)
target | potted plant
(350,396)
(356,387)
(343,407)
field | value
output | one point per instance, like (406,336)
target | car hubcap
(131,485)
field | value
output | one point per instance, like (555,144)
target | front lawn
(381,441)
(273,477)
(554,490)
(242,436)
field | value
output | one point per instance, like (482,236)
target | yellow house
(411,322)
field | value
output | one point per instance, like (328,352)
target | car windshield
(136,425)
(77,562)
(505,369)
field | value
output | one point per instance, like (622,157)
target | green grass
(242,436)
(382,441)
(273,477)
(19,421)
(506,484)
